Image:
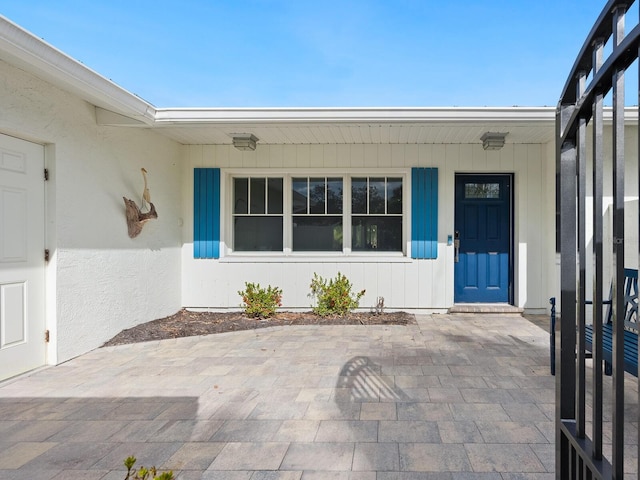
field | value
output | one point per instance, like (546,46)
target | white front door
(22,300)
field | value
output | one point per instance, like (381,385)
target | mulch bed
(186,323)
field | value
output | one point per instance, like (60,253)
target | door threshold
(485,308)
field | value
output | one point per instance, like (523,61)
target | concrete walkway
(454,398)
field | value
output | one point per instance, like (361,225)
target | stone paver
(456,397)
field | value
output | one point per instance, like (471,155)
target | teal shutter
(424,213)
(206,213)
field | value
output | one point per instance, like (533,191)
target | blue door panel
(483,225)
(471,270)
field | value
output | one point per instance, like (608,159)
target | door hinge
(46,174)
(46,336)
(46,254)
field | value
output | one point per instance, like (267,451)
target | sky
(321,53)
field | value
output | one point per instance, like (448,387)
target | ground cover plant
(334,296)
(260,302)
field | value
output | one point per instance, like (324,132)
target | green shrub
(144,473)
(334,297)
(260,302)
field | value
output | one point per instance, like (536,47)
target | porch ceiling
(356,125)
(354,133)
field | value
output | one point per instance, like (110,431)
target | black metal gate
(582,175)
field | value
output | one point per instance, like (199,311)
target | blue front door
(482,272)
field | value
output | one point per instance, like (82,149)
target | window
(257,214)
(482,190)
(317,214)
(376,208)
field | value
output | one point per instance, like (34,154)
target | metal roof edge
(174,116)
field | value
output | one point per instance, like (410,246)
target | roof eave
(30,53)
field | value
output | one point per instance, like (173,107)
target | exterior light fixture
(493,140)
(245,141)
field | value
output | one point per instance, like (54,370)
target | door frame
(511,262)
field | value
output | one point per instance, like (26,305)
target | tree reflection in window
(482,190)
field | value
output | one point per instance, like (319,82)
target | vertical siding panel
(425,280)
(384,155)
(330,156)
(385,286)
(316,156)
(230,155)
(343,156)
(289,156)
(398,290)
(397,155)
(522,207)
(479,160)
(507,155)
(465,162)
(425,153)
(303,155)
(493,159)
(195,155)
(275,156)
(356,155)
(412,284)
(371,156)
(371,285)
(358,279)
(411,156)
(257,158)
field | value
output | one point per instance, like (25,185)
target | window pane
(316,195)
(240,195)
(334,195)
(359,195)
(394,195)
(376,195)
(274,195)
(317,234)
(258,189)
(300,192)
(381,234)
(482,190)
(258,234)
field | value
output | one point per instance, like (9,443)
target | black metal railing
(582,173)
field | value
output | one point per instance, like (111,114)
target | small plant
(260,302)
(334,297)
(144,473)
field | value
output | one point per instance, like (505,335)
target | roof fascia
(458,115)
(30,53)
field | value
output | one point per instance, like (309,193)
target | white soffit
(356,125)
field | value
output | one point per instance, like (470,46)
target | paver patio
(455,397)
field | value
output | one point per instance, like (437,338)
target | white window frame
(287,254)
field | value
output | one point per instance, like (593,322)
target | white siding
(404,283)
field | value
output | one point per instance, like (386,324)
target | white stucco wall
(99,281)
(404,283)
